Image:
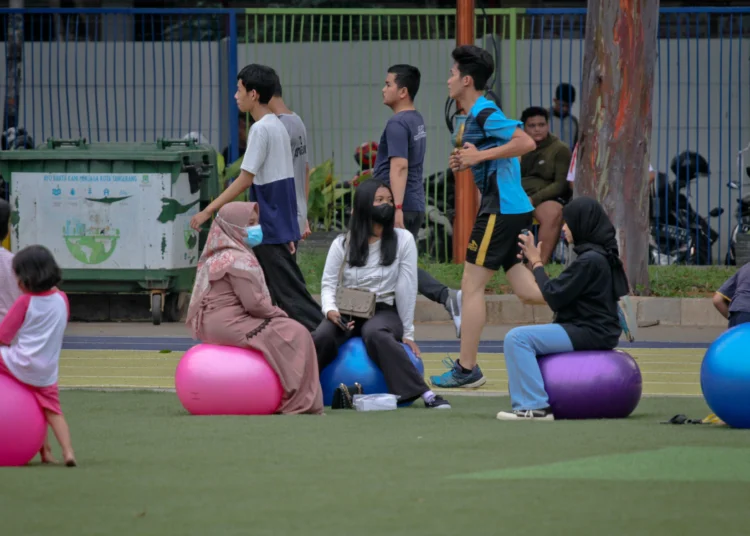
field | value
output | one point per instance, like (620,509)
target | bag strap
(481,119)
(343,263)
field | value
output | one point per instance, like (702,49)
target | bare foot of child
(46,454)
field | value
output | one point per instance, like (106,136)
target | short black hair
(534,111)
(36,269)
(406,76)
(4,219)
(475,62)
(565,93)
(277,86)
(260,78)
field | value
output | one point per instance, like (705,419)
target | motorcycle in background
(678,234)
(742,218)
(13,139)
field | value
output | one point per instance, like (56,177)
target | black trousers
(428,286)
(286,285)
(382,335)
(738,317)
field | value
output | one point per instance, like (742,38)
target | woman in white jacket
(382,260)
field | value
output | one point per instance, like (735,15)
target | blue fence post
(233,69)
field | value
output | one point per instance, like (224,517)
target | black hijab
(592,231)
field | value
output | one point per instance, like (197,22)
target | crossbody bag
(354,302)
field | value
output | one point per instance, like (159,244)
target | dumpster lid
(163,150)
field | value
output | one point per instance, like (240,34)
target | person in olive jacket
(544,173)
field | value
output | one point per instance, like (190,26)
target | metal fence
(125,75)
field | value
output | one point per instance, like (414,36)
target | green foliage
(325,199)
(666,281)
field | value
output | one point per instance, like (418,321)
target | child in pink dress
(31,337)
(9,290)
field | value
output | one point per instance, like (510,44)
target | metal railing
(125,75)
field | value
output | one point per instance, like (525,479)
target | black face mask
(383,214)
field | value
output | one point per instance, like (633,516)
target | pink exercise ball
(225,380)
(22,423)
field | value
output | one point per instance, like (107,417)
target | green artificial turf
(146,467)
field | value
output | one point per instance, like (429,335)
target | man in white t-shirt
(268,172)
(298,138)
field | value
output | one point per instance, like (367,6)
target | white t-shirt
(572,169)
(37,322)
(269,158)
(399,278)
(298,137)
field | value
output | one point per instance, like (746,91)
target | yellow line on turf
(665,371)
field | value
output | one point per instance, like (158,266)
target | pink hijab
(226,253)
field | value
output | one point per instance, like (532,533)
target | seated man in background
(544,173)
(562,121)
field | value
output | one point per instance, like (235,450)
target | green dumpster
(116,216)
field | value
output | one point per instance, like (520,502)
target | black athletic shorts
(494,240)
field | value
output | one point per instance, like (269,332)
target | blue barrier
(127,75)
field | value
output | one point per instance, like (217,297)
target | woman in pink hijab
(231,306)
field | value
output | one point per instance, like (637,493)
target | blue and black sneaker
(437,402)
(457,378)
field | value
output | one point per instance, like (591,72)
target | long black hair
(360,227)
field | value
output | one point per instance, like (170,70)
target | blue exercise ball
(353,365)
(725,376)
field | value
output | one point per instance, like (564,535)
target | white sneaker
(527,415)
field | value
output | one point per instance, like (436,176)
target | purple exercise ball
(592,384)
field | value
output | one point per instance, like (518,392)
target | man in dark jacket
(544,173)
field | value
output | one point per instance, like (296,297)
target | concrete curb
(507,309)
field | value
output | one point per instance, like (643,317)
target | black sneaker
(438,403)
(527,415)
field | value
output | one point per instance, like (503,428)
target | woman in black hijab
(584,299)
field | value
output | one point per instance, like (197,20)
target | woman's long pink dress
(234,312)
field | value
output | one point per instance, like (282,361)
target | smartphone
(525,232)
(343,324)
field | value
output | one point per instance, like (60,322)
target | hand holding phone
(335,317)
(525,232)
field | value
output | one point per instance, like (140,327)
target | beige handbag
(353,301)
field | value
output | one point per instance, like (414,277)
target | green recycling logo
(191,238)
(90,245)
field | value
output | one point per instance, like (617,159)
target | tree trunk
(13,68)
(615,140)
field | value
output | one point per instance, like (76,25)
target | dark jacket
(583,301)
(544,171)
